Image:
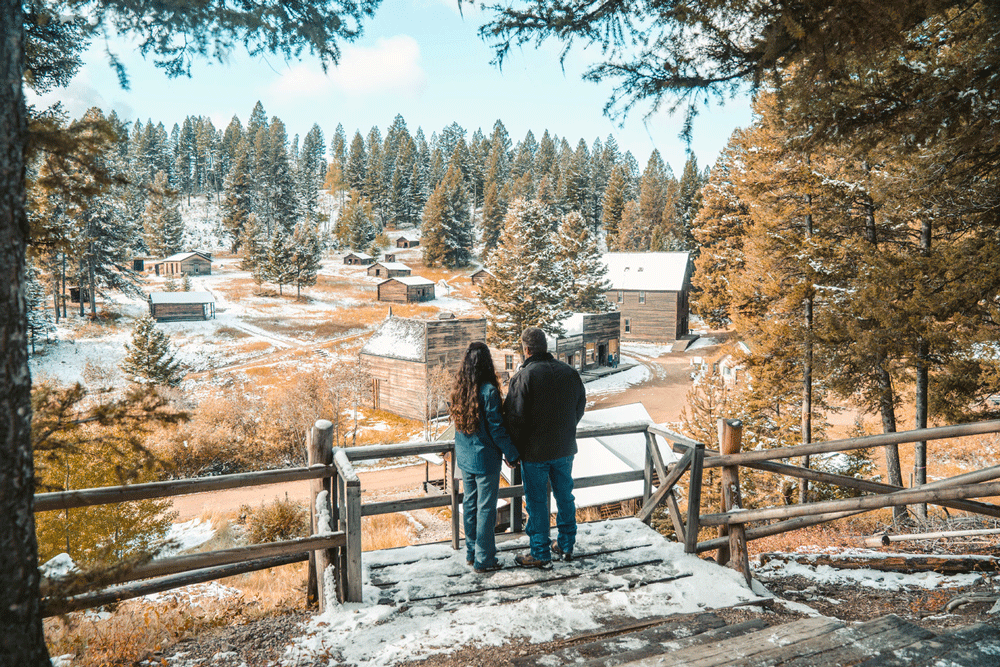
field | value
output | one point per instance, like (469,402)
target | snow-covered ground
(619,382)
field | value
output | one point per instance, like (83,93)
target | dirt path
(373,483)
(277,356)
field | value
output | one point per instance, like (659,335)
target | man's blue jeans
(479,507)
(558,472)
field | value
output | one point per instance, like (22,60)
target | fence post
(352,508)
(319,441)
(730,441)
(694,500)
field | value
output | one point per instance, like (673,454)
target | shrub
(278,521)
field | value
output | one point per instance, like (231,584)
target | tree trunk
(22,641)
(79,288)
(62,294)
(887,408)
(807,359)
(91,284)
(922,386)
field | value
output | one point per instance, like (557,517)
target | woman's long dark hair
(477,368)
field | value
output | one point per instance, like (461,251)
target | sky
(418,58)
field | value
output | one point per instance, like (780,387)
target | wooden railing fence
(336,510)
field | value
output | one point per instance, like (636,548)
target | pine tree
(492,219)
(148,357)
(310,172)
(613,204)
(448,234)
(356,225)
(633,234)
(279,267)
(238,203)
(305,258)
(186,283)
(526,289)
(254,244)
(39,317)
(653,194)
(581,266)
(164,227)
(357,163)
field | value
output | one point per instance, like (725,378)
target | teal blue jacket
(479,453)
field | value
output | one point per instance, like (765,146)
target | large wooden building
(179,306)
(406,289)
(403,356)
(650,291)
(190,263)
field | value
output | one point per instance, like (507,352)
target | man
(545,402)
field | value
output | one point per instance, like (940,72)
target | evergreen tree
(447,228)
(581,266)
(305,259)
(526,289)
(357,163)
(278,263)
(632,233)
(653,194)
(254,244)
(164,227)
(356,225)
(39,317)
(149,358)
(310,172)
(493,215)
(238,203)
(613,204)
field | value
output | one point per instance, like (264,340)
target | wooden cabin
(389,257)
(403,242)
(590,340)
(139,262)
(480,277)
(190,263)
(388,270)
(76,292)
(405,357)
(406,289)
(358,259)
(650,291)
(179,306)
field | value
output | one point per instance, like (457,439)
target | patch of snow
(64,660)
(703,341)
(194,594)
(868,578)
(398,337)
(58,567)
(648,349)
(619,382)
(184,536)
(324,522)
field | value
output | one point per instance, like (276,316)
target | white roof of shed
(647,271)
(359,255)
(412,281)
(393,266)
(181,256)
(399,338)
(181,297)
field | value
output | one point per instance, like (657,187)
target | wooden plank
(694,500)
(675,518)
(410,504)
(745,647)
(775,529)
(908,497)
(850,644)
(666,486)
(352,508)
(933,649)
(319,445)
(731,439)
(906,563)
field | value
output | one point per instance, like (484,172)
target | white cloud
(392,66)
(79,96)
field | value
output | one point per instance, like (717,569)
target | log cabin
(387,269)
(358,259)
(480,277)
(406,289)
(405,357)
(650,291)
(180,306)
(589,341)
(190,263)
(389,257)
(404,242)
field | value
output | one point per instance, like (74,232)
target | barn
(387,269)
(650,291)
(405,356)
(480,277)
(404,242)
(190,263)
(358,259)
(406,289)
(178,306)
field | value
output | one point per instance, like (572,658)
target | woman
(480,441)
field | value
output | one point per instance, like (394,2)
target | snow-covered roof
(399,338)
(181,256)
(393,266)
(647,271)
(573,324)
(359,255)
(482,270)
(181,297)
(412,281)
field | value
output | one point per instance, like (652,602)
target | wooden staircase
(705,640)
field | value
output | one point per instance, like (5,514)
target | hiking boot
(486,569)
(567,556)
(531,561)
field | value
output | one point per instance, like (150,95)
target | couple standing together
(535,427)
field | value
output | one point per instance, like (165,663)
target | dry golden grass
(253,346)
(231,333)
(384,531)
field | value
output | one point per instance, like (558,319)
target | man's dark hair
(533,339)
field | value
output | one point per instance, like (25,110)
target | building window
(590,353)
(508,362)
(621,296)
(642,297)
(628,325)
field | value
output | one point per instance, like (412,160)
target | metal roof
(181,297)
(412,281)
(647,271)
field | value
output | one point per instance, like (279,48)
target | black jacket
(544,403)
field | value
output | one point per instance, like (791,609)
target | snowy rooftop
(181,256)
(399,338)
(393,266)
(411,280)
(647,271)
(573,324)
(181,297)
(359,255)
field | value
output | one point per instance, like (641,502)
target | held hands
(512,464)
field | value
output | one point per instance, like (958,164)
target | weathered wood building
(406,289)
(179,306)
(405,357)
(190,263)
(387,269)
(650,291)
(480,277)
(358,259)
(589,341)
(389,257)
(404,242)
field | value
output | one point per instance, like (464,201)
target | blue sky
(418,58)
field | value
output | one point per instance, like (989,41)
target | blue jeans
(558,472)
(479,509)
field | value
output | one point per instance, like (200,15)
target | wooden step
(973,645)
(852,644)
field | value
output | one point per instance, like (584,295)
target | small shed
(389,257)
(388,270)
(178,306)
(406,289)
(358,259)
(139,262)
(190,263)
(75,293)
(480,277)
(404,242)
